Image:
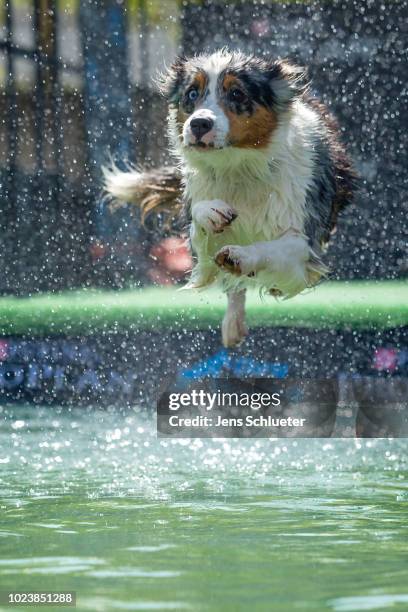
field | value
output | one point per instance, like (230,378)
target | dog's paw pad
(228,260)
(222,217)
(214,216)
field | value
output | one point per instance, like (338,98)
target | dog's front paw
(236,260)
(233,329)
(213,216)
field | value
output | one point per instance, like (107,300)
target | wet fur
(276,160)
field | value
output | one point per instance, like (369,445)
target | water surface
(91,501)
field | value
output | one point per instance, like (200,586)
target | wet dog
(261,171)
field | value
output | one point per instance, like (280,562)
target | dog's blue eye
(192,95)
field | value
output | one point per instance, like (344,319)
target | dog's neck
(234,175)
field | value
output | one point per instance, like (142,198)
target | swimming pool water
(92,501)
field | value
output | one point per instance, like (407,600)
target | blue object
(223,362)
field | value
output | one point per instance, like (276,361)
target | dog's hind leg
(233,327)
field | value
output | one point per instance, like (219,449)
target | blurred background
(76,89)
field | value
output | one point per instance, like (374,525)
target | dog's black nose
(200,126)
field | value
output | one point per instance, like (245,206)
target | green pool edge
(352,304)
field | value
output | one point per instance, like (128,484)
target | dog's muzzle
(200,129)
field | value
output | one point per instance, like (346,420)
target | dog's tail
(152,191)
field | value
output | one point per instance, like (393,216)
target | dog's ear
(170,81)
(288,81)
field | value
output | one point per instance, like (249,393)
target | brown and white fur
(262,172)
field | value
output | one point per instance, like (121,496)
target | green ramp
(340,305)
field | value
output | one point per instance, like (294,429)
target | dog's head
(228,99)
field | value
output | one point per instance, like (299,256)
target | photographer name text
(247,421)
